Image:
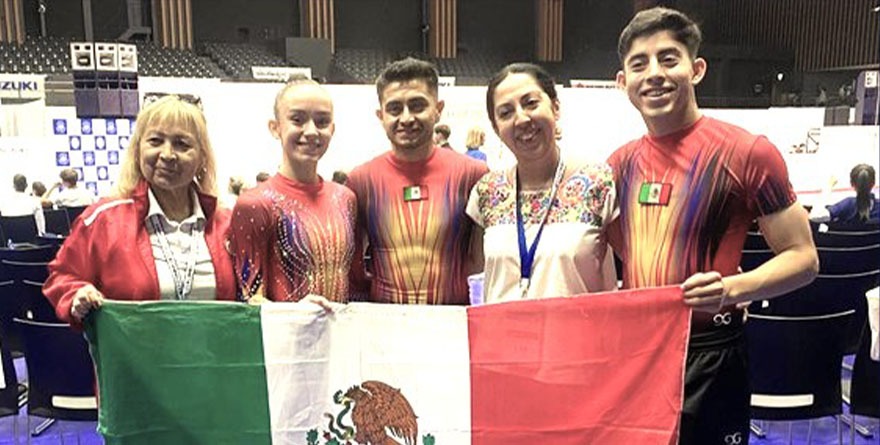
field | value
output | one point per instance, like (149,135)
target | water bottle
(475,288)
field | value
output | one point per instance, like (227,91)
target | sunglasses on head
(192,99)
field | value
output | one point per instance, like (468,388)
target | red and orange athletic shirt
(687,200)
(413,216)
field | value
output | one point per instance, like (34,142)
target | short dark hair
(406,70)
(263,177)
(541,76)
(19,182)
(236,185)
(340,177)
(39,188)
(658,19)
(443,129)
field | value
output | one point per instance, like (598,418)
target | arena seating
(164,62)
(236,59)
(49,55)
(468,68)
(362,64)
(812,328)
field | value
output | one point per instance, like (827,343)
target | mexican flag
(596,369)
(655,193)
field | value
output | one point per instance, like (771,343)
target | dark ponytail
(862,179)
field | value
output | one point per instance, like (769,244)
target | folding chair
(11,305)
(864,390)
(849,255)
(19,229)
(57,222)
(73,213)
(60,374)
(844,276)
(860,265)
(845,235)
(27,268)
(755,251)
(10,392)
(794,366)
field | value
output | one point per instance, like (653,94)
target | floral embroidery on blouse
(581,198)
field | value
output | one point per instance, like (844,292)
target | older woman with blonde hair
(161,236)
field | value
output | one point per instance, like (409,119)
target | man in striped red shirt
(411,200)
(688,192)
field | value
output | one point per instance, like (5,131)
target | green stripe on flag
(645,193)
(180,373)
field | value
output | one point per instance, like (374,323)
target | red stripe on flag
(664,193)
(601,368)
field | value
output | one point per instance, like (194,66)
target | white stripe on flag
(296,388)
(421,350)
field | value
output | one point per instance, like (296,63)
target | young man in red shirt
(688,192)
(411,200)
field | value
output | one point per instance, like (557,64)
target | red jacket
(109,247)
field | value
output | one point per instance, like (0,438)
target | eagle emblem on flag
(379,413)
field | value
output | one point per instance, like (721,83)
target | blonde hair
(294,80)
(476,137)
(168,110)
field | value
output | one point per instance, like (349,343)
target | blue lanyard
(527,255)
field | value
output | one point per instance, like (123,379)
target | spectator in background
(69,194)
(235,185)
(292,236)
(340,177)
(262,177)
(441,136)
(20,203)
(821,97)
(411,201)
(862,208)
(233,190)
(162,235)
(38,189)
(476,137)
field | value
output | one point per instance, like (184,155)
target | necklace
(183,279)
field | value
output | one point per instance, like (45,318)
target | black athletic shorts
(716,389)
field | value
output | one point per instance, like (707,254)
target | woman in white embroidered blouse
(544,220)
